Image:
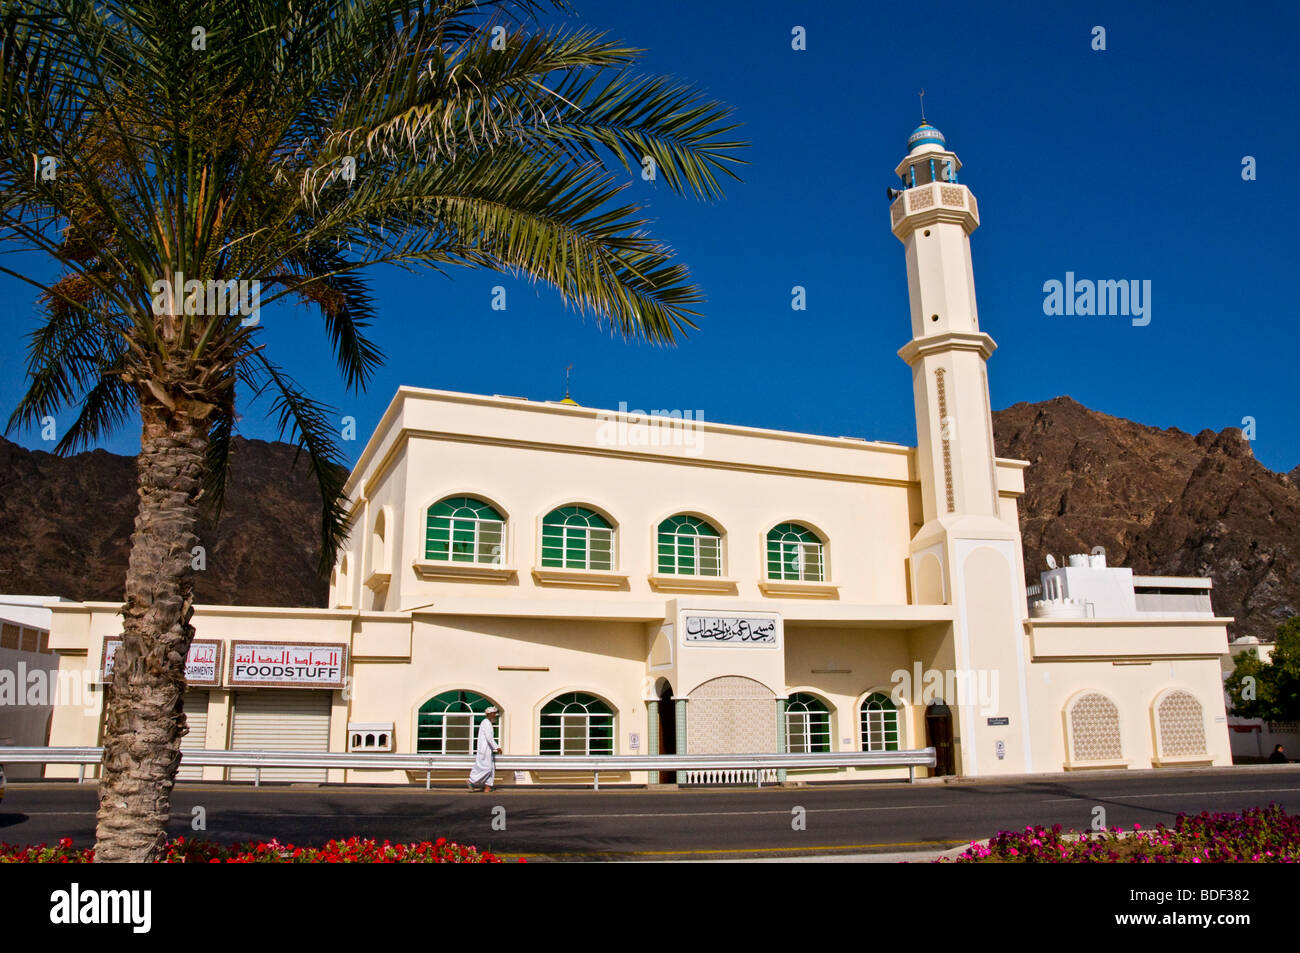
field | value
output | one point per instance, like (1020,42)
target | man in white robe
(485,762)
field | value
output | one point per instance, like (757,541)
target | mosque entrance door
(938,735)
(667,731)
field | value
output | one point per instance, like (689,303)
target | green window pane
(448,723)
(689,546)
(455,529)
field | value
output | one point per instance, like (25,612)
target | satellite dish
(1051,561)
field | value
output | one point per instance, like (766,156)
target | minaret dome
(925,138)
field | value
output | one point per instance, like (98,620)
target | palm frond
(310,425)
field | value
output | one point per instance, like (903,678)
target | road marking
(811,810)
(1134,797)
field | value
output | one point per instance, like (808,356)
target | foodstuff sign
(288,664)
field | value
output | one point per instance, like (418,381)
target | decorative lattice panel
(731,715)
(919,198)
(943,435)
(1182,725)
(1094,729)
(951,195)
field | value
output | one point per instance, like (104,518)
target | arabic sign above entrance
(288,664)
(732,630)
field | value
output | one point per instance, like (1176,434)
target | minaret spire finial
(566,381)
(922,95)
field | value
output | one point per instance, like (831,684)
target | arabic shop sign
(202,665)
(731,630)
(288,664)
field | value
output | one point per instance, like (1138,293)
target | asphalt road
(652,825)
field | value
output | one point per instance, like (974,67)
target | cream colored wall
(528,458)
(1133,688)
(744,506)
(607,659)
(398,663)
(871,657)
(989,653)
(1206,636)
(698,663)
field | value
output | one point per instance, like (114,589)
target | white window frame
(804,548)
(804,715)
(872,729)
(609,533)
(675,556)
(582,720)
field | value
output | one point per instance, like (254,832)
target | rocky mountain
(66,524)
(1160,501)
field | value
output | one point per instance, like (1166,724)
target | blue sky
(1116,164)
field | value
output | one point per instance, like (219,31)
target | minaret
(967,552)
(933,217)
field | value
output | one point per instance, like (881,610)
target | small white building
(1253,739)
(28,676)
(1087,588)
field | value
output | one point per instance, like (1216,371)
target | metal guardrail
(428,763)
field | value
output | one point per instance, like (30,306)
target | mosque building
(621,584)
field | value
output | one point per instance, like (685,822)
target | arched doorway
(667,730)
(938,735)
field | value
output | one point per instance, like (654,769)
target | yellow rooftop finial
(567,399)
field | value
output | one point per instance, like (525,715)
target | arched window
(574,537)
(1094,729)
(448,723)
(461,529)
(1181,725)
(794,553)
(807,724)
(689,547)
(879,719)
(577,724)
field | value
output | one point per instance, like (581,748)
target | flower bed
(354,850)
(1259,835)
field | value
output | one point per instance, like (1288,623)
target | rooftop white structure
(1087,588)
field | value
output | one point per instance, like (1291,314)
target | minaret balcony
(928,204)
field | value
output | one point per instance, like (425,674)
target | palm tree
(162,152)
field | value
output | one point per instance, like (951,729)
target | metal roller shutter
(277,719)
(196,715)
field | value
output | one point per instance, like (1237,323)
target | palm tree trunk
(145,718)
